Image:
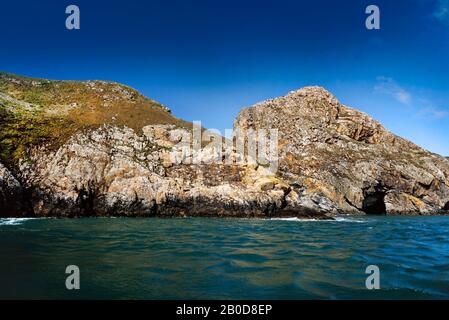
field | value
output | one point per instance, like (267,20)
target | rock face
(13,201)
(332,160)
(114,171)
(340,160)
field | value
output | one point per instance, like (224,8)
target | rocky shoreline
(332,159)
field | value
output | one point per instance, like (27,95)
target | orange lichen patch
(290,157)
(282,143)
(315,186)
(418,203)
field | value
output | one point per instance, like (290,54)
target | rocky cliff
(99,148)
(344,161)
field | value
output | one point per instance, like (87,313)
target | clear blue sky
(207,59)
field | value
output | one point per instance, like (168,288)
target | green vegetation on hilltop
(19,131)
(36,111)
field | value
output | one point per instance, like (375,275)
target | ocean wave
(297,219)
(336,219)
(350,219)
(13,221)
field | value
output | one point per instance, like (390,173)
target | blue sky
(207,59)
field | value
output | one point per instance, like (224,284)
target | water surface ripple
(212,258)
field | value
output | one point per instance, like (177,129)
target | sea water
(216,258)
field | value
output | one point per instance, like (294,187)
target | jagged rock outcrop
(345,159)
(332,159)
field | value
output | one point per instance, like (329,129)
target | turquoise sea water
(212,258)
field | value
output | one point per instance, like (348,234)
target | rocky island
(97,148)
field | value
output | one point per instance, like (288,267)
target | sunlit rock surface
(83,155)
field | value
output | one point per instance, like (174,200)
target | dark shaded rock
(446,206)
(13,199)
(374,203)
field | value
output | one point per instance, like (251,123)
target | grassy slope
(35,111)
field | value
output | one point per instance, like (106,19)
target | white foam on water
(297,219)
(336,219)
(13,221)
(350,220)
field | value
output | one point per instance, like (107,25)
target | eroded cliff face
(332,160)
(336,155)
(114,171)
